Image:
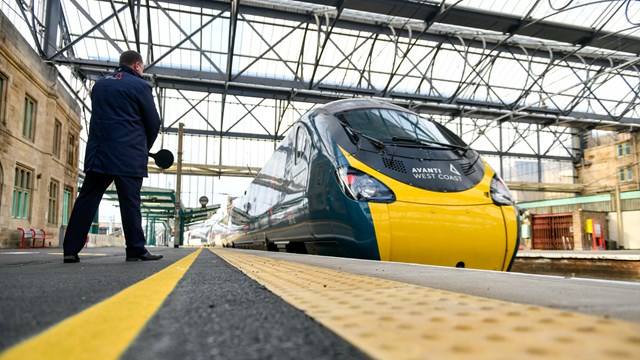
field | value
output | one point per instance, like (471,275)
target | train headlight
(500,194)
(363,187)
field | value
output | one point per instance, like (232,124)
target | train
(364,178)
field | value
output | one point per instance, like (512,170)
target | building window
(625,174)
(57,138)
(66,205)
(22,193)
(29,120)
(623,149)
(71,150)
(4,83)
(52,214)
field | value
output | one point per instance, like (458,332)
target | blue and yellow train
(365,179)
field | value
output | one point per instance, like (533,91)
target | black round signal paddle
(163,158)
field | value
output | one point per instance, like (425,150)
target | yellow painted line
(105,330)
(83,254)
(393,320)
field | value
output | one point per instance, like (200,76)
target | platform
(239,304)
(596,264)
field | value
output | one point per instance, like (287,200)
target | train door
(299,177)
(300,169)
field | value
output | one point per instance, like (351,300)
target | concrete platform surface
(241,304)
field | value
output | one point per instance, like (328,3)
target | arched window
(23,179)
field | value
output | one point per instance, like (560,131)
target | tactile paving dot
(393,320)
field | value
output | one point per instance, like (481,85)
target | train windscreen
(390,125)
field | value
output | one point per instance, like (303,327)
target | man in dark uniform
(124,125)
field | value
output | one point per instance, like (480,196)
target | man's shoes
(144,257)
(70,259)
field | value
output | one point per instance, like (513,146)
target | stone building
(39,137)
(610,178)
(610,161)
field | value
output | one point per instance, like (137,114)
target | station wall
(39,135)
(631,229)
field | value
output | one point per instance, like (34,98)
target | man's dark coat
(124,125)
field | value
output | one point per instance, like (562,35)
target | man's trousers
(87,203)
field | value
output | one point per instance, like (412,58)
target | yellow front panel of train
(449,229)
(468,236)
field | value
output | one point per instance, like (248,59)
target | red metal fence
(552,232)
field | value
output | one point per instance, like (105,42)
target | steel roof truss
(299,72)
(633,103)
(521,135)
(233,29)
(194,108)
(270,49)
(65,36)
(96,26)
(115,12)
(476,73)
(32,25)
(428,22)
(249,112)
(481,132)
(414,67)
(537,81)
(587,89)
(134,11)
(326,39)
(187,38)
(53,20)
(431,67)
(557,141)
(583,94)
(282,113)
(622,66)
(347,57)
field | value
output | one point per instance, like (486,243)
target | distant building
(39,137)
(608,207)
(610,161)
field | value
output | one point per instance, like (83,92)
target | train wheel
(270,246)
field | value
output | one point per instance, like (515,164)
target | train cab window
(387,124)
(301,144)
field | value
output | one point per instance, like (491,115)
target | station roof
(515,79)
(558,62)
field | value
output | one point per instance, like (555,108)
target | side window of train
(301,143)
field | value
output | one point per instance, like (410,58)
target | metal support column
(52,19)
(177,239)
(619,216)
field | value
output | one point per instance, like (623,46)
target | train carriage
(362,178)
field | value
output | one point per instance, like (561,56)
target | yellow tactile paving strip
(393,320)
